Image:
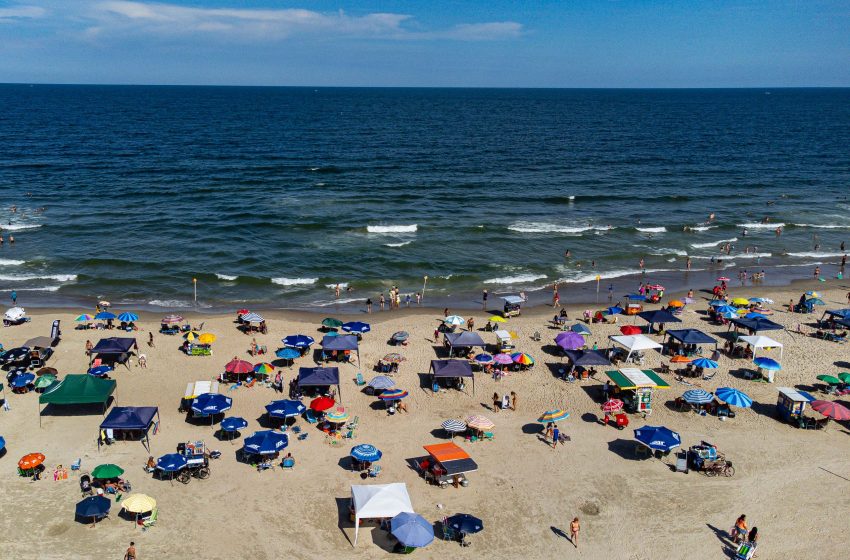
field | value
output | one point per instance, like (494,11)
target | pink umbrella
(831,409)
(612,405)
(503,359)
(239,366)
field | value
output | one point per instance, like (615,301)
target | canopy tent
(131,418)
(659,316)
(112,348)
(452,458)
(193,389)
(78,389)
(586,358)
(755,324)
(319,377)
(465,339)
(513,300)
(690,336)
(452,368)
(635,343)
(378,501)
(837,313)
(346,342)
(757,342)
(633,378)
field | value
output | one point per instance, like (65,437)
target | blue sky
(526,43)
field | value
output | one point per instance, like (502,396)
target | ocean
(269,197)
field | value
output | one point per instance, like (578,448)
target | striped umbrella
(192,336)
(171,319)
(503,359)
(366,452)
(128,317)
(263,368)
(337,415)
(454,320)
(479,422)
(381,382)
(393,395)
(393,358)
(252,318)
(697,396)
(522,359)
(454,426)
(767,363)
(831,409)
(554,415)
(733,397)
(704,363)
(483,358)
(84,317)
(138,503)
(612,405)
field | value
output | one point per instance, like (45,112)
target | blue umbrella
(265,442)
(172,462)
(726,309)
(298,341)
(767,363)
(729,315)
(704,363)
(616,310)
(580,329)
(366,452)
(22,380)
(105,316)
(717,302)
(128,317)
(733,397)
(814,301)
(412,530)
(99,371)
(233,424)
(2,442)
(356,327)
(483,358)
(697,396)
(658,437)
(381,382)
(287,353)
(285,409)
(465,523)
(93,506)
(211,403)
(754,315)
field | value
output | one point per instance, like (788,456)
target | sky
(428,43)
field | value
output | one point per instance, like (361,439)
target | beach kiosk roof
(634,378)
(756,324)
(319,377)
(513,300)
(691,336)
(634,343)
(137,418)
(757,341)
(78,389)
(379,501)
(795,395)
(452,458)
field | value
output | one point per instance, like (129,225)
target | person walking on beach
(150,339)
(14,295)
(556,299)
(739,531)
(484,296)
(131,552)
(575,527)
(497,402)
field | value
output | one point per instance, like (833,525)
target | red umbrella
(612,405)
(242,311)
(723,279)
(631,329)
(239,366)
(321,404)
(831,409)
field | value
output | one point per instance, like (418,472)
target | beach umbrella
(729,315)
(31,461)
(725,309)
(171,319)
(44,381)
(453,426)
(616,310)
(480,422)
(680,359)
(265,442)
(580,328)
(631,330)
(252,318)
(483,358)
(138,503)
(704,363)
(522,359)
(191,336)
(654,287)
(739,301)
(697,396)
(465,523)
(285,408)
(242,311)
(211,403)
(47,371)
(206,338)
(767,363)
(733,397)
(298,341)
(400,336)
(570,340)
(233,424)
(128,317)
(760,300)
(717,302)
(84,317)
(107,470)
(497,319)
(321,404)
(356,327)
(454,320)
(554,415)
(658,437)
(814,301)
(338,415)
(105,316)
(832,410)
(393,395)
(22,380)
(812,294)
(381,382)
(412,530)
(503,359)
(754,315)
(675,303)
(104,303)
(238,366)
(723,279)
(99,371)
(365,452)
(844,377)
(93,506)
(331,323)
(287,353)
(263,368)
(829,380)
(612,405)
(2,443)
(393,358)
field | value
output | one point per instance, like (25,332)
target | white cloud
(21,12)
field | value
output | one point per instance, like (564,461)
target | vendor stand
(512,306)
(791,404)
(634,387)
(504,341)
(447,464)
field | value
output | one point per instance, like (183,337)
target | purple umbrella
(503,359)
(570,340)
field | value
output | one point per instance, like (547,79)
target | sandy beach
(790,483)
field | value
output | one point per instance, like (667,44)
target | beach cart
(504,341)
(446,464)
(654,293)
(634,387)
(633,304)
(512,306)
(791,404)
(197,461)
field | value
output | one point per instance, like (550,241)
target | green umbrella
(845,377)
(44,381)
(107,470)
(830,380)
(332,323)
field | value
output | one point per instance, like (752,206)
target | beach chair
(354,423)
(150,521)
(302,437)
(375,471)
(359,381)
(75,466)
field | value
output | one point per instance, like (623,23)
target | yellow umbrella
(138,503)
(206,338)
(497,319)
(675,303)
(740,301)
(514,335)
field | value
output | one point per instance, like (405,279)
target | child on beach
(556,436)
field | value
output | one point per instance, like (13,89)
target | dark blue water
(268,195)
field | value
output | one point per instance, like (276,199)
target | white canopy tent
(757,342)
(635,343)
(379,500)
(199,388)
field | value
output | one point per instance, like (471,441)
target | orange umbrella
(676,303)
(679,359)
(31,461)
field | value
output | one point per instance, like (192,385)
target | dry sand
(792,484)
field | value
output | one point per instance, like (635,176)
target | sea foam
(393,229)
(294,281)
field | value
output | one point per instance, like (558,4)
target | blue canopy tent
(465,339)
(320,377)
(586,358)
(343,343)
(659,316)
(451,369)
(755,325)
(132,419)
(691,337)
(114,349)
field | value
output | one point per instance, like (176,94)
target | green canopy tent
(78,389)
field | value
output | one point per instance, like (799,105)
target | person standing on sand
(556,299)
(131,552)
(739,531)
(548,433)
(556,435)
(513,401)
(437,334)
(150,339)
(470,323)
(575,527)
(484,296)
(497,402)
